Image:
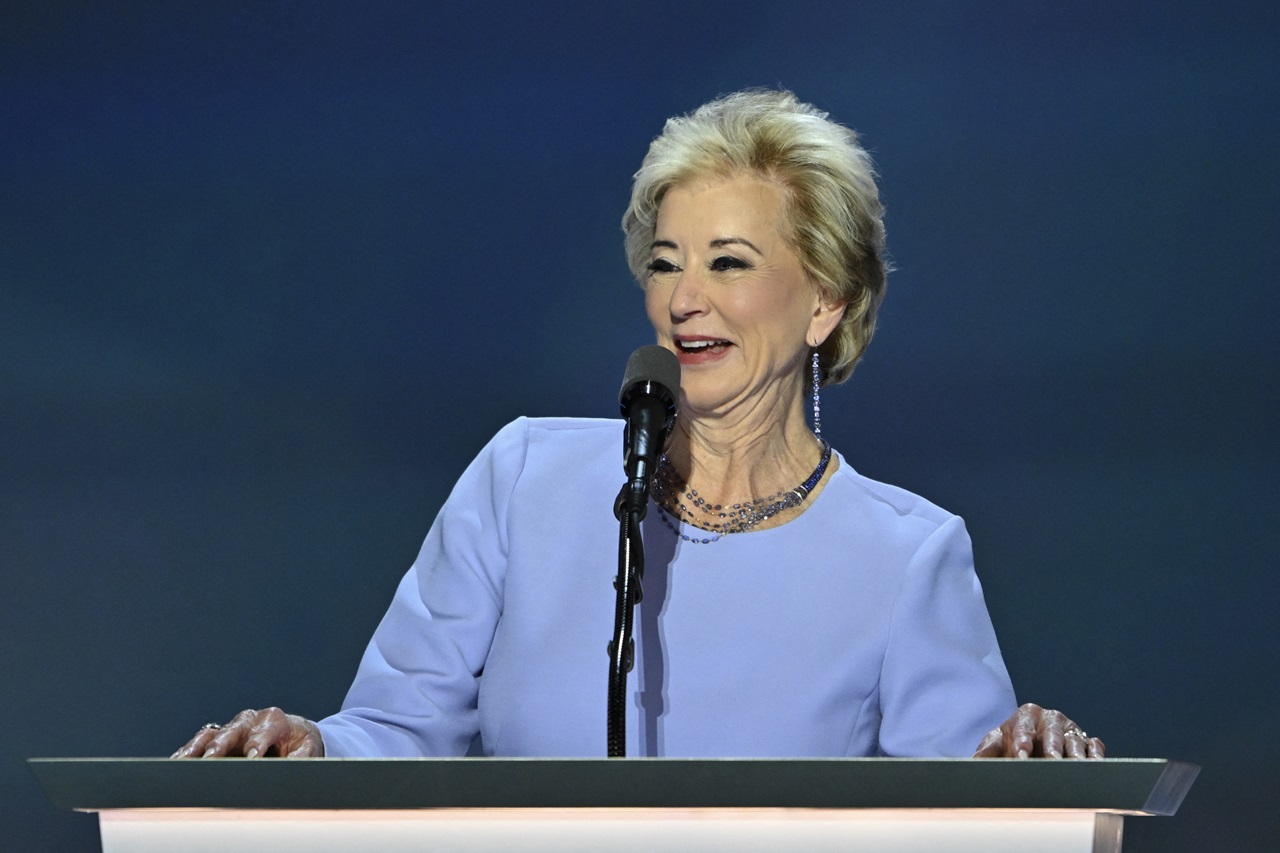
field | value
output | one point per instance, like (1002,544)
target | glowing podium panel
(146,805)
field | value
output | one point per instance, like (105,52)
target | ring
(210,727)
(1077,732)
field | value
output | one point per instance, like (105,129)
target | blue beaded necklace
(670,492)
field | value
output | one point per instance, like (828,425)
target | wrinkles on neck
(742,456)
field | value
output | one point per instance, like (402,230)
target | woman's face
(728,295)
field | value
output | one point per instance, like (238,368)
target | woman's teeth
(701,346)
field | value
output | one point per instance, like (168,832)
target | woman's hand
(1033,731)
(253,734)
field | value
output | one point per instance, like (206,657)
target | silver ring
(210,727)
(1077,732)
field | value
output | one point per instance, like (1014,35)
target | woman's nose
(688,297)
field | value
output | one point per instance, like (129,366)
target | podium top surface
(1128,785)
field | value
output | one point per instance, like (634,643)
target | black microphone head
(649,367)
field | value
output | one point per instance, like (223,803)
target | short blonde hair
(835,219)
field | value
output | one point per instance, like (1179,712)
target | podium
(146,805)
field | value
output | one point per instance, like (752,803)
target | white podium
(635,804)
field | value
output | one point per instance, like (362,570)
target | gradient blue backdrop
(271,273)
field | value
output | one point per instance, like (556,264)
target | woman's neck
(729,460)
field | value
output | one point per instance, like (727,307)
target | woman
(792,607)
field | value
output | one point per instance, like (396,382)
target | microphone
(650,388)
(648,398)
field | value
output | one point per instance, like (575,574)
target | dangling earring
(817,405)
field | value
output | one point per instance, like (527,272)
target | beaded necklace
(671,492)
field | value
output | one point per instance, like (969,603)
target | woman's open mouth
(700,350)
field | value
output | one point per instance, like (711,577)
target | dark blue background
(270,274)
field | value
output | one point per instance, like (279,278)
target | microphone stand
(648,397)
(622,648)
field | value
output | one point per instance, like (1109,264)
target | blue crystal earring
(817,407)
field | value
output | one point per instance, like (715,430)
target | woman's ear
(825,319)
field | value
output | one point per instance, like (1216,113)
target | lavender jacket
(857,629)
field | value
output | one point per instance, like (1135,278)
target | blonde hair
(834,216)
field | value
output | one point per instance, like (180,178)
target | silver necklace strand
(673,497)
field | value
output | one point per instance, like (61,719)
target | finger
(992,744)
(1074,745)
(1054,726)
(1097,749)
(311,747)
(276,733)
(196,744)
(1026,724)
(312,743)
(269,728)
(227,740)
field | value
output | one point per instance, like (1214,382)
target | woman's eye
(728,262)
(661,265)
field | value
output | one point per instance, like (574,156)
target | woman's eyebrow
(662,244)
(720,242)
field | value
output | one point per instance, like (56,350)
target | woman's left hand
(1035,732)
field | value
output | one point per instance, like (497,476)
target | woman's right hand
(255,734)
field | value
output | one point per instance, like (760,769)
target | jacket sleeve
(415,691)
(943,684)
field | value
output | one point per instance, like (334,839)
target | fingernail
(176,754)
(252,753)
(1022,753)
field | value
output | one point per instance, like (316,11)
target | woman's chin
(698,403)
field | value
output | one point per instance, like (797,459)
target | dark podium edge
(1148,786)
